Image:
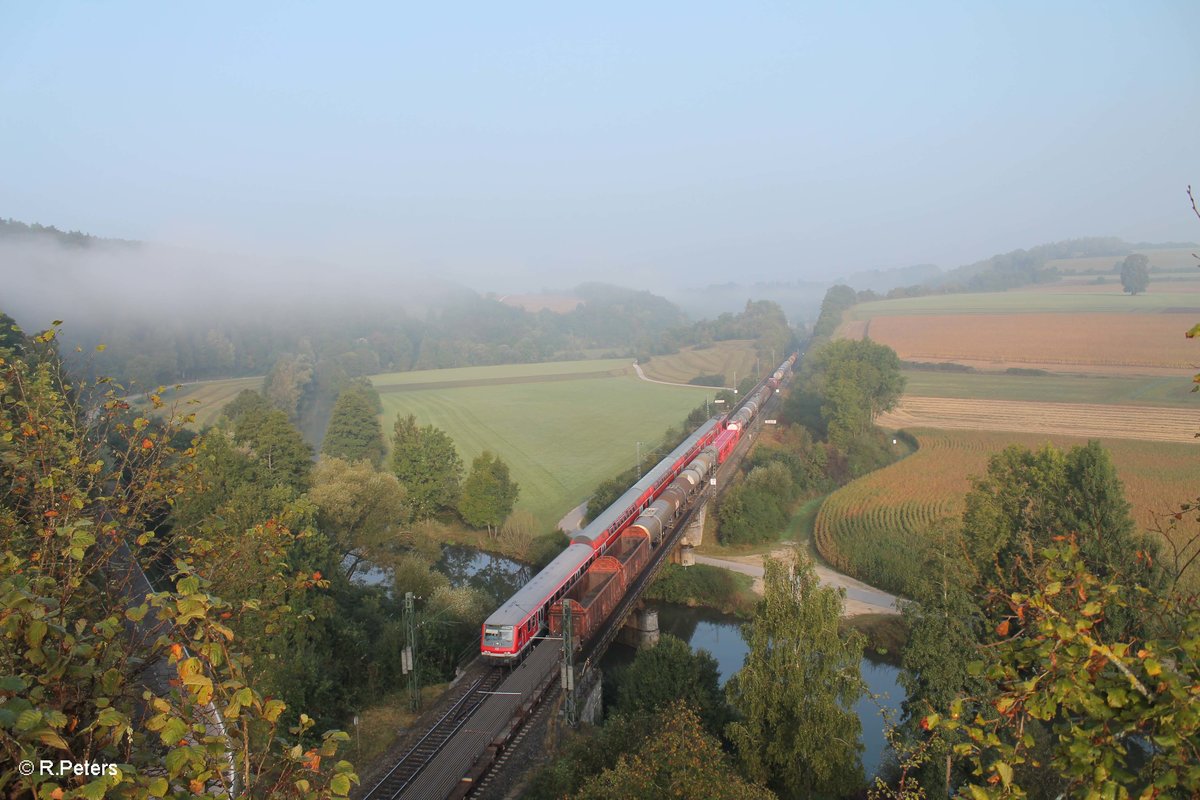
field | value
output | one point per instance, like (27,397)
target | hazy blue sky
(548,142)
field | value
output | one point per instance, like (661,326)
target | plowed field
(1093,342)
(1072,419)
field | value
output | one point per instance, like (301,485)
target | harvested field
(875,527)
(205,399)
(728,358)
(1057,341)
(1147,423)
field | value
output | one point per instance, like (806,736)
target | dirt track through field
(1067,419)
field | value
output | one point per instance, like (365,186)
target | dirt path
(860,598)
(573,520)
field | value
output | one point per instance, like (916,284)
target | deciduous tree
(670,672)
(1135,273)
(488,493)
(1027,497)
(359,508)
(427,464)
(798,731)
(678,759)
(1121,712)
(82,636)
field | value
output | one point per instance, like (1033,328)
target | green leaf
(36,633)
(1005,772)
(176,760)
(111,718)
(158,787)
(94,790)
(173,731)
(12,683)
(51,739)
(340,785)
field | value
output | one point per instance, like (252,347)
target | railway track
(453,758)
(406,770)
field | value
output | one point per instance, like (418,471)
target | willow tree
(796,692)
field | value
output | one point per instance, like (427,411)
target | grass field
(559,437)
(1077,341)
(1029,301)
(1168,283)
(1163,259)
(500,374)
(205,399)
(873,527)
(728,358)
(1058,388)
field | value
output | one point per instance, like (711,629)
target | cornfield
(875,528)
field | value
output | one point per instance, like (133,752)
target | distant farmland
(875,527)
(735,357)
(1024,301)
(561,434)
(1166,259)
(1073,388)
(205,399)
(1064,341)
(1146,423)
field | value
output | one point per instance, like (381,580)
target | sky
(534,145)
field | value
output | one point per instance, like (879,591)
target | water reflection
(721,636)
(496,577)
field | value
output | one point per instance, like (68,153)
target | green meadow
(1017,302)
(560,437)
(1137,390)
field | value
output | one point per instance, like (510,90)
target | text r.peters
(92,769)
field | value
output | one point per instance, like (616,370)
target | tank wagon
(612,550)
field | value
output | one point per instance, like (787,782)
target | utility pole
(568,664)
(408,661)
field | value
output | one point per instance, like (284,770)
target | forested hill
(170,314)
(12,230)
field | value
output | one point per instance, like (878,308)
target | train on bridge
(611,551)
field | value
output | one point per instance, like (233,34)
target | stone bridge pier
(693,537)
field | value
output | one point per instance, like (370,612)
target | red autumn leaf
(1002,628)
(147,444)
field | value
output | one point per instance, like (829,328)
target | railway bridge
(489,708)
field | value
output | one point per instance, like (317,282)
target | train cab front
(500,645)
